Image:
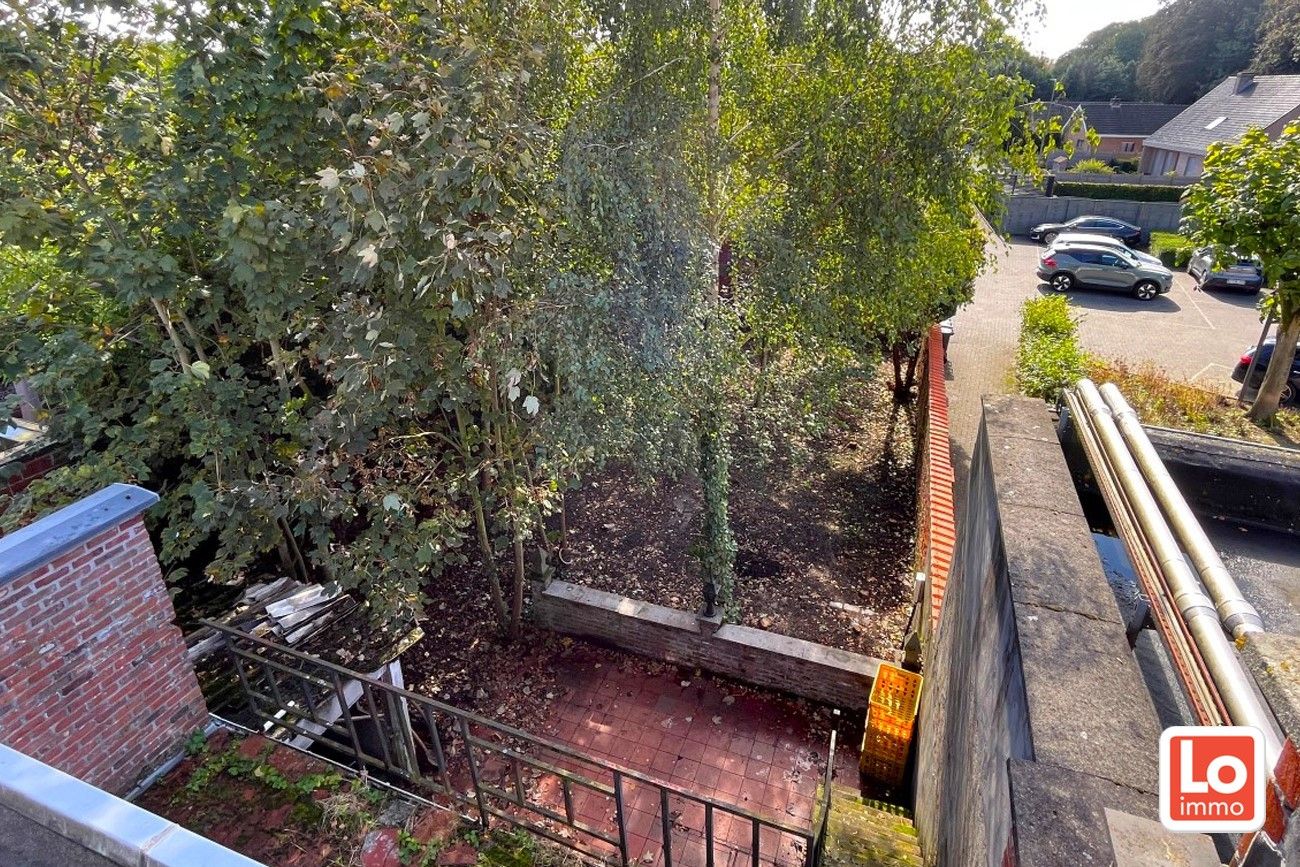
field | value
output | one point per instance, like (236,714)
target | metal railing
(486,770)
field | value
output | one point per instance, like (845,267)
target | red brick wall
(1282,800)
(936,522)
(18,474)
(94,679)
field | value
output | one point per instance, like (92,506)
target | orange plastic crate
(896,692)
(885,746)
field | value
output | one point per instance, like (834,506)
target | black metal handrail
(316,682)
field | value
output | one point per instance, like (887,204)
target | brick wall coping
(41,541)
(120,831)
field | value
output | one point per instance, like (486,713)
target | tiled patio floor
(757,751)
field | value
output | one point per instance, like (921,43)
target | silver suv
(1068,265)
(1066,238)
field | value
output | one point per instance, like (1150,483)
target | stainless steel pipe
(1237,614)
(1234,684)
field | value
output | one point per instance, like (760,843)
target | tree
(1192,45)
(1246,202)
(1277,49)
(1033,68)
(1105,64)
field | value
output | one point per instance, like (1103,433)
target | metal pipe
(1237,614)
(1234,684)
(1197,684)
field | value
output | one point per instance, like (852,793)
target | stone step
(861,835)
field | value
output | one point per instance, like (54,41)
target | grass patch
(1165,402)
(1173,249)
(1049,358)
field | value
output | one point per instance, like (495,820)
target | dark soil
(282,807)
(825,547)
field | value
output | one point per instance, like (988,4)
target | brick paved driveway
(1197,336)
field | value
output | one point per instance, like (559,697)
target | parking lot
(1196,336)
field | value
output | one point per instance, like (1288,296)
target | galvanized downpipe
(1237,614)
(1233,682)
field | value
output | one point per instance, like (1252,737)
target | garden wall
(1035,719)
(1025,212)
(936,521)
(824,674)
(94,678)
(24,462)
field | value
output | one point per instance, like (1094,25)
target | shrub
(1125,192)
(1049,358)
(1161,400)
(1172,248)
(1125,165)
(1092,167)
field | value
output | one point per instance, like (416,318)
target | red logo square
(1212,778)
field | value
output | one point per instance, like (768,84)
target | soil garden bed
(824,546)
(285,808)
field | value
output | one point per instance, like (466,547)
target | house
(1224,114)
(1121,126)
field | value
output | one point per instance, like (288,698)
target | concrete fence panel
(1025,212)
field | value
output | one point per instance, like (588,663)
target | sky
(1065,23)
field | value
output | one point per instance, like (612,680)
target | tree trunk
(489,556)
(1279,366)
(517,601)
(714,138)
(164,315)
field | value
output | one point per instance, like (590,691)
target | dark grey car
(1069,265)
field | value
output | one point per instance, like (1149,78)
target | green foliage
(1092,166)
(196,743)
(362,289)
(1181,51)
(1124,192)
(1105,64)
(1278,49)
(1173,249)
(232,764)
(1049,358)
(1245,201)
(1192,45)
(1126,165)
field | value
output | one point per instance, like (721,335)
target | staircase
(868,833)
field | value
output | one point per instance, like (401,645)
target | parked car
(1104,241)
(1290,392)
(1239,273)
(1126,232)
(1064,267)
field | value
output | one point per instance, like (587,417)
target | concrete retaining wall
(1035,717)
(1025,212)
(1244,482)
(824,674)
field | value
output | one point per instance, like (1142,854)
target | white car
(1104,241)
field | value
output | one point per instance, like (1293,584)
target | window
(1110,260)
(1130,147)
(1218,120)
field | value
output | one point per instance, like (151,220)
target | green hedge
(1126,192)
(1172,249)
(1049,358)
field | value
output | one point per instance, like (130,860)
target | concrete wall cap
(40,542)
(120,831)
